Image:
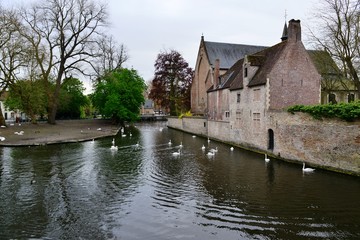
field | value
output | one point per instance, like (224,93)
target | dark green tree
(119,95)
(71,99)
(172,82)
(29,97)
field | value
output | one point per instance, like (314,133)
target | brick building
(209,53)
(272,79)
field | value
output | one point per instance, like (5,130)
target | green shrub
(344,111)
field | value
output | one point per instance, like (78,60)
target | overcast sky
(147,27)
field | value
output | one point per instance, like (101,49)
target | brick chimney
(294,31)
(216,73)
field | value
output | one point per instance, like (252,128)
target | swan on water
(208,140)
(266,158)
(211,154)
(203,147)
(176,153)
(180,146)
(113,147)
(231,148)
(305,169)
(170,142)
(214,150)
(2,139)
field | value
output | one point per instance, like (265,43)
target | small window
(227,114)
(245,72)
(257,95)
(332,98)
(238,97)
(256,121)
(351,97)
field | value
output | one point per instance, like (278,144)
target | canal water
(88,191)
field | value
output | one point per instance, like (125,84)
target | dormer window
(245,72)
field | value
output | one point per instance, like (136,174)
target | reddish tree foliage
(172,82)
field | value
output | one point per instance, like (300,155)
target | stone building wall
(328,144)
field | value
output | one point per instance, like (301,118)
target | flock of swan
(210,153)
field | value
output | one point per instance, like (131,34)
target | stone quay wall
(329,144)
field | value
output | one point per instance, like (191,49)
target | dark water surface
(87,191)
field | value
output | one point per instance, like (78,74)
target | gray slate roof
(228,53)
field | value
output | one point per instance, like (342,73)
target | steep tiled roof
(228,53)
(265,59)
(323,62)
(233,78)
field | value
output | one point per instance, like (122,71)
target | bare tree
(12,52)
(63,36)
(338,33)
(111,56)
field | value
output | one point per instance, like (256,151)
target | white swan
(194,136)
(307,169)
(170,142)
(2,139)
(176,153)
(214,150)
(180,146)
(231,148)
(137,144)
(203,147)
(211,154)
(266,158)
(113,147)
(208,140)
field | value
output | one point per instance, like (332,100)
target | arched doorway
(270,139)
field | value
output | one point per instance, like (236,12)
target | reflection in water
(86,191)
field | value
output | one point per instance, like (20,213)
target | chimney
(216,73)
(294,31)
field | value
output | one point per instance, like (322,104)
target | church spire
(285,33)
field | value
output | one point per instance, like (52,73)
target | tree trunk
(53,104)
(2,119)
(353,74)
